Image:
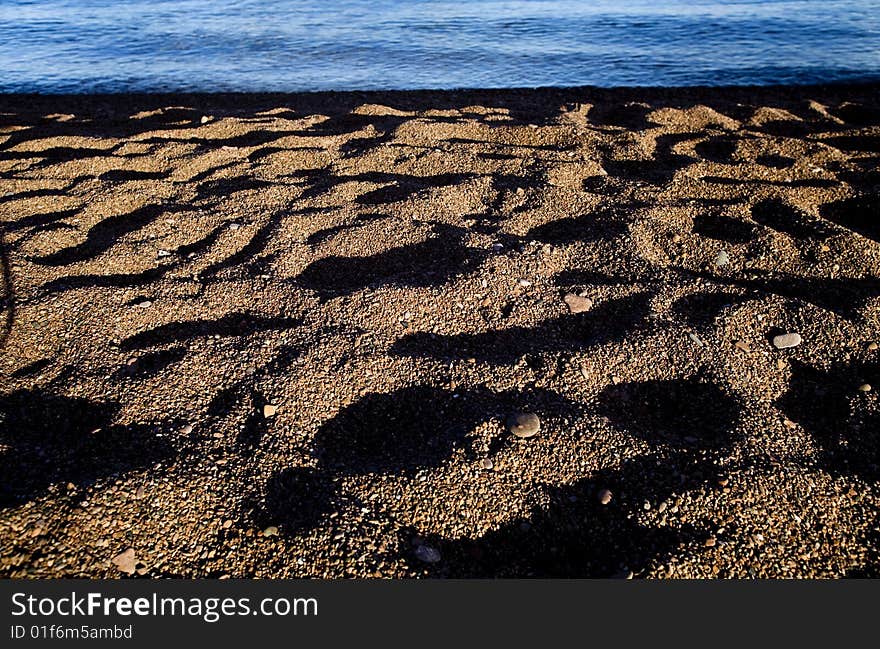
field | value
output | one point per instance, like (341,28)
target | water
(57,46)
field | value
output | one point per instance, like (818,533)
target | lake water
(290,45)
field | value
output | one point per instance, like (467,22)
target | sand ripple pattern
(235,315)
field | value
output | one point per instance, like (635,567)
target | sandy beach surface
(313,335)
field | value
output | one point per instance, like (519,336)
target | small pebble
(872,347)
(865,387)
(524,425)
(577,303)
(272,530)
(524,282)
(269,410)
(427,554)
(605,496)
(163,253)
(186,430)
(786,341)
(743,346)
(486,464)
(710,542)
(722,259)
(144,304)
(205,119)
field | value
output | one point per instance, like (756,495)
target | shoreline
(416,97)
(284,334)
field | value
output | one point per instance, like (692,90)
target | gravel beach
(520,333)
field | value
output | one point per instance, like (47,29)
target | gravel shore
(550,333)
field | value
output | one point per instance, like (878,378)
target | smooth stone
(524,282)
(269,410)
(865,387)
(186,430)
(605,496)
(427,554)
(486,464)
(145,304)
(786,341)
(524,425)
(270,531)
(743,346)
(577,303)
(125,561)
(872,346)
(722,259)
(163,253)
(205,119)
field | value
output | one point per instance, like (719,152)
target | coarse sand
(294,335)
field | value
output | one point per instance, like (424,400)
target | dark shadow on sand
(607,322)
(54,439)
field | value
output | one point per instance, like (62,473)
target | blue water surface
(75,46)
